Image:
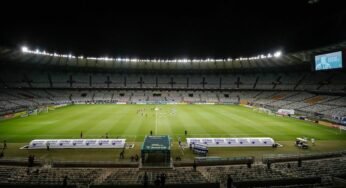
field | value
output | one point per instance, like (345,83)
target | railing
(210,161)
(288,157)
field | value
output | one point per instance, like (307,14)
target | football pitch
(133,122)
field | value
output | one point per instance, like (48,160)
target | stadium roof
(172,29)
(297,60)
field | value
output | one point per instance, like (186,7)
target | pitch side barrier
(232,142)
(23,185)
(94,164)
(279,182)
(76,143)
(178,185)
(289,158)
(20,162)
(213,161)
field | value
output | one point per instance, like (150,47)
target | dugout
(156,151)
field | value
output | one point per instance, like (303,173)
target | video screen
(328,61)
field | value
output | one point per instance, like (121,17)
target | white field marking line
(216,134)
(126,135)
(155,120)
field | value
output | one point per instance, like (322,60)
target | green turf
(124,121)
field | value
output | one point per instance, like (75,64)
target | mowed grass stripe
(120,121)
(138,126)
(123,121)
(104,122)
(250,125)
(227,123)
(187,116)
(83,123)
(208,121)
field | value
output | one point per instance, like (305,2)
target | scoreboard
(328,61)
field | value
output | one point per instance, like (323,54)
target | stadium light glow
(24,49)
(277,54)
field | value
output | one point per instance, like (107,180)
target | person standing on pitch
(185,132)
(122,154)
(81,134)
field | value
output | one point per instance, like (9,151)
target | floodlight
(277,54)
(25,49)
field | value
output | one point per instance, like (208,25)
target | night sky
(174,29)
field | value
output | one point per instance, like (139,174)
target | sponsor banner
(232,142)
(76,143)
(243,101)
(7,116)
(328,124)
(14,115)
(247,106)
(32,112)
(57,106)
(172,103)
(20,114)
(286,111)
(342,127)
(120,102)
(343,120)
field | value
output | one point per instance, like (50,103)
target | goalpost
(42,109)
(263,110)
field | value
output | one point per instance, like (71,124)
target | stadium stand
(94,176)
(318,95)
(14,99)
(317,170)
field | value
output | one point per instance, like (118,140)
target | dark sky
(172,29)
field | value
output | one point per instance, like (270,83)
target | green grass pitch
(135,121)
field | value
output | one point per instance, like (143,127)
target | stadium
(274,118)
